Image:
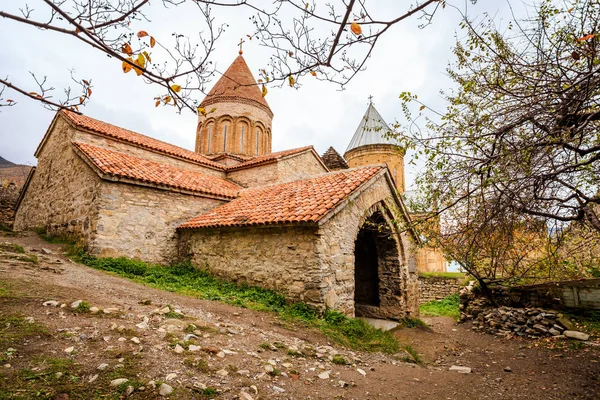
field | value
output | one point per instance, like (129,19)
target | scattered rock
(325,375)
(269,368)
(135,340)
(178,349)
(170,376)
(190,336)
(229,352)
(507,369)
(277,389)
(460,370)
(70,350)
(193,348)
(343,384)
(360,371)
(46,251)
(93,378)
(110,310)
(221,354)
(76,303)
(222,372)
(576,335)
(118,382)
(129,390)
(245,396)
(144,324)
(51,303)
(94,310)
(163,310)
(165,390)
(102,367)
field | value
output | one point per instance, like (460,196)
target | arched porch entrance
(378,279)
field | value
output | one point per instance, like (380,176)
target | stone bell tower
(238,119)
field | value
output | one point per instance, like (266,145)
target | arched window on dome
(225,137)
(258,136)
(209,133)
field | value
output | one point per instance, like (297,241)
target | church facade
(330,234)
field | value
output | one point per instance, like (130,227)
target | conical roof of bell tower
(371,130)
(237,85)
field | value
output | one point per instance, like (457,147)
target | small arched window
(209,132)
(258,132)
(242,133)
(224,137)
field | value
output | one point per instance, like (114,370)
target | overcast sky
(407,58)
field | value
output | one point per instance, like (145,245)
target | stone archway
(378,270)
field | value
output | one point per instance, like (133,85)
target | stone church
(329,231)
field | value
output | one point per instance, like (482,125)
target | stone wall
(63,191)
(9,193)
(300,166)
(436,288)
(310,264)
(278,258)
(336,246)
(141,222)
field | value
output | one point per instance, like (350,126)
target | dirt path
(239,352)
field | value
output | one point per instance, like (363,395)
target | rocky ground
(68,331)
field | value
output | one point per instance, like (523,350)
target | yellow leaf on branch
(355,28)
(264,91)
(126,66)
(291,80)
(141,60)
(157,103)
(167,99)
(201,110)
(313,73)
(176,88)
(142,34)
(138,71)
(145,53)
(152,41)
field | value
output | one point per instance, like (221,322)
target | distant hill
(5,163)
(11,172)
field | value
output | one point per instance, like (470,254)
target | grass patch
(339,359)
(13,248)
(14,328)
(5,228)
(448,306)
(186,279)
(413,355)
(586,320)
(83,307)
(450,275)
(58,238)
(411,322)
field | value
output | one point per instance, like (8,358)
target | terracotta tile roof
(293,202)
(333,160)
(137,139)
(127,166)
(237,84)
(271,157)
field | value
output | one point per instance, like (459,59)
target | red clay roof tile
(307,200)
(268,158)
(137,139)
(237,84)
(127,166)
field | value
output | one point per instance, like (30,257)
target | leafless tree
(331,41)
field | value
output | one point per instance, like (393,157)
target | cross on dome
(242,41)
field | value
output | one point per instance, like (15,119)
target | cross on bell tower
(242,41)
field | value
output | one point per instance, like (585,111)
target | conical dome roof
(237,85)
(371,130)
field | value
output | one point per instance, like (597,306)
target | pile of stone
(528,322)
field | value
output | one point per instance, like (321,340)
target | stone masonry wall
(9,193)
(141,222)
(336,248)
(436,288)
(278,258)
(301,166)
(62,194)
